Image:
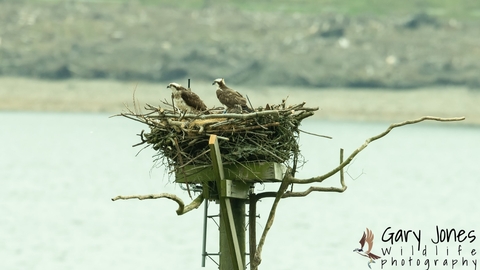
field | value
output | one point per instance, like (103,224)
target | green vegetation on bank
(443,8)
(344,44)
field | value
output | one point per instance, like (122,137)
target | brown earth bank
(106,96)
(152,43)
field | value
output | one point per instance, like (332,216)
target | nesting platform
(245,172)
(255,147)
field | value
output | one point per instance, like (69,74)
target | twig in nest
(247,128)
(314,134)
(251,107)
(192,160)
(176,136)
(218,137)
(141,138)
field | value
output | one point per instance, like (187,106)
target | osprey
(186,100)
(367,238)
(229,97)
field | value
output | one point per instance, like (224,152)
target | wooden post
(238,214)
(232,217)
(229,185)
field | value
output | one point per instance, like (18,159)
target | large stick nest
(267,134)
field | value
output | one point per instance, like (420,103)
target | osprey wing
(239,99)
(369,240)
(237,93)
(222,97)
(193,100)
(362,241)
(230,98)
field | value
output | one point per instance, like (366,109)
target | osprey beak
(168,86)
(213,83)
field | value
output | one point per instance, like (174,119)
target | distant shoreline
(23,94)
(402,47)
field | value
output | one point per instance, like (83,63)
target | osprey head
(175,86)
(219,81)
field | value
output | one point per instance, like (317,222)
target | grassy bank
(460,9)
(323,43)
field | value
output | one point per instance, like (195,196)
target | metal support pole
(252,227)
(204,241)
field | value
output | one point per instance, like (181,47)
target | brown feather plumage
(229,97)
(185,99)
(193,100)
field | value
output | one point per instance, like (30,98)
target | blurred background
(257,46)
(297,43)
(66,66)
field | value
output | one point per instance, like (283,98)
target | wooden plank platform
(249,172)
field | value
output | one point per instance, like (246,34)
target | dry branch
(258,254)
(289,179)
(182,209)
(319,179)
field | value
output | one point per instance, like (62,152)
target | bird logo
(367,238)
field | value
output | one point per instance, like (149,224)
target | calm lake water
(59,171)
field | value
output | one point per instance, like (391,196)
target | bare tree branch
(319,179)
(289,179)
(258,254)
(322,189)
(182,209)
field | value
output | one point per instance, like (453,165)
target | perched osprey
(367,238)
(186,100)
(229,97)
